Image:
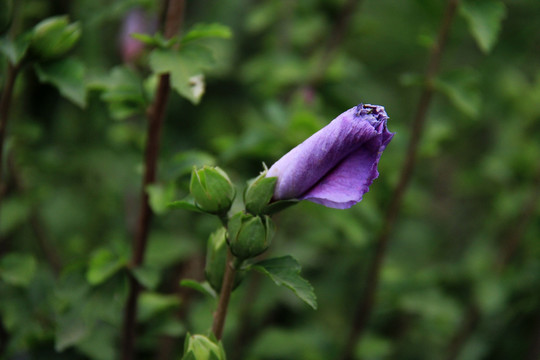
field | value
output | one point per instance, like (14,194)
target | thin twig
(337,34)
(522,221)
(469,324)
(512,238)
(35,220)
(366,303)
(156,114)
(225,294)
(5,106)
(534,349)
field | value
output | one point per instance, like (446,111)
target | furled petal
(336,165)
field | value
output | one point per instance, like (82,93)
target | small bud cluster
(212,190)
(247,233)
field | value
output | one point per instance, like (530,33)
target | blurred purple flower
(336,165)
(135,21)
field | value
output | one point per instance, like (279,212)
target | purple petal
(336,165)
(136,21)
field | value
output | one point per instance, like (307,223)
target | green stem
(224,296)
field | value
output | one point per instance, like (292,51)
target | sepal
(52,38)
(212,190)
(249,235)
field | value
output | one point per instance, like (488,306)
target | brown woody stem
(365,306)
(156,113)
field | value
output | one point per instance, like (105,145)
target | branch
(35,220)
(5,106)
(155,114)
(512,239)
(337,35)
(366,304)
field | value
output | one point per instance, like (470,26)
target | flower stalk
(224,296)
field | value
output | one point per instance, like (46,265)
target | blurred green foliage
(69,209)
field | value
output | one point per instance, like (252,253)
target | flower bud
(6,15)
(258,193)
(335,166)
(216,257)
(136,21)
(212,190)
(199,347)
(249,235)
(54,37)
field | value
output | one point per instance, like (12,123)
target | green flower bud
(258,193)
(216,257)
(199,347)
(212,190)
(6,15)
(54,37)
(249,235)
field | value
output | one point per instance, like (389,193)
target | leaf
(285,271)
(280,205)
(202,287)
(160,196)
(103,265)
(15,213)
(123,91)
(67,75)
(70,330)
(16,49)
(151,303)
(149,277)
(184,161)
(185,67)
(156,40)
(461,87)
(484,18)
(188,203)
(200,31)
(17,268)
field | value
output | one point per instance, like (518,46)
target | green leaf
(103,264)
(17,269)
(16,49)
(149,277)
(203,287)
(160,197)
(279,205)
(150,304)
(70,330)
(185,67)
(285,271)
(15,214)
(200,31)
(184,161)
(123,91)
(188,203)
(484,18)
(67,75)
(156,40)
(461,87)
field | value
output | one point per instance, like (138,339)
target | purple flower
(337,164)
(136,21)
